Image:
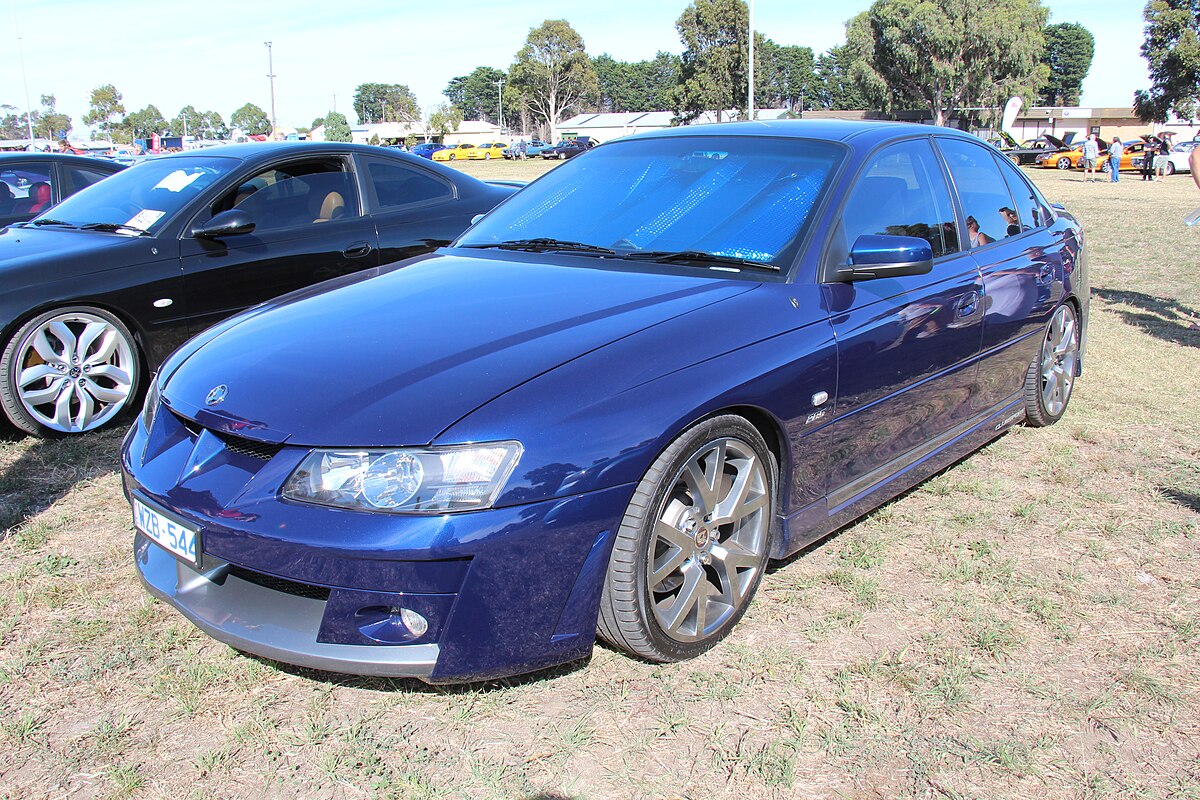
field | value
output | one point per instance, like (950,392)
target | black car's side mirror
(875,256)
(233,222)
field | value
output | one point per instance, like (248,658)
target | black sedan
(569,148)
(31,183)
(102,288)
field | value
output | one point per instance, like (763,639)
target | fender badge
(217,395)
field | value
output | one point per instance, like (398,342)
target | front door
(309,227)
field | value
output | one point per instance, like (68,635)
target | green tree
(477,94)
(49,123)
(385,102)
(251,119)
(626,86)
(12,125)
(713,70)
(443,119)
(212,126)
(145,123)
(187,122)
(553,73)
(835,88)
(947,55)
(1172,50)
(1068,56)
(107,111)
(337,127)
(783,75)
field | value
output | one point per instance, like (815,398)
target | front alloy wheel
(1051,376)
(1064,163)
(68,371)
(693,544)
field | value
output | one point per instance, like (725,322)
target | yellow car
(456,153)
(488,151)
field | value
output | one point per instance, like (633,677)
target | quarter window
(902,192)
(986,202)
(1029,209)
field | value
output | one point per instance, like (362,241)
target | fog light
(416,624)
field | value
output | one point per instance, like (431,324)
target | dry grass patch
(1025,624)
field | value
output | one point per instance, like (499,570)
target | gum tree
(1172,49)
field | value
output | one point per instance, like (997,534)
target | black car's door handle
(968,303)
(357,250)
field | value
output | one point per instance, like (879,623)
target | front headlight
(432,480)
(150,408)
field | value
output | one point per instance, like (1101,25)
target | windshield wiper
(111,227)
(37,223)
(543,244)
(697,257)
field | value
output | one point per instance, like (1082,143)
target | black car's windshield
(142,198)
(741,197)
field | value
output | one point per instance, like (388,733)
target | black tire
(17,357)
(1057,361)
(627,619)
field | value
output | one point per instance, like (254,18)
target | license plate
(178,538)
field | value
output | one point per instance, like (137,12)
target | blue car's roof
(868,133)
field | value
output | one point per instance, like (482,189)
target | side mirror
(233,222)
(874,256)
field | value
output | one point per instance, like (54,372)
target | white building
(606,127)
(473,131)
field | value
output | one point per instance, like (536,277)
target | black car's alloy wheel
(69,370)
(693,543)
(1051,376)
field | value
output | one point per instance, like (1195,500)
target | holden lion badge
(217,395)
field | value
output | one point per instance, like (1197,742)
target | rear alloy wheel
(487,156)
(1170,169)
(451,158)
(1015,159)
(693,543)
(1051,376)
(1064,163)
(70,370)
(562,156)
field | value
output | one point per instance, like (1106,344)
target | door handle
(357,250)
(968,304)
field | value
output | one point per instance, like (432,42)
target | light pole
(271,75)
(24,79)
(500,93)
(750,96)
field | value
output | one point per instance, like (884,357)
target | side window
(1030,213)
(25,189)
(293,195)
(81,178)
(902,192)
(394,185)
(985,199)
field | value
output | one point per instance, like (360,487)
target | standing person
(1148,154)
(1115,151)
(1091,152)
(1194,160)
(1161,158)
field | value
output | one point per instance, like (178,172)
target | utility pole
(750,96)
(21,57)
(271,75)
(500,90)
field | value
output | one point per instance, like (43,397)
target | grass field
(1025,625)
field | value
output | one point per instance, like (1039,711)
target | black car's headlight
(407,480)
(150,407)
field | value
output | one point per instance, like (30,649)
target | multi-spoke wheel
(1052,374)
(1064,163)
(68,371)
(693,544)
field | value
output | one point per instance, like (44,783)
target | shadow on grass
(48,469)
(1182,499)
(1161,317)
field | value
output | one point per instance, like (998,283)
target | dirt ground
(1024,625)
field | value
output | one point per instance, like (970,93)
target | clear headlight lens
(150,408)
(406,480)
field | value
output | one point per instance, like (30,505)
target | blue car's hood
(396,359)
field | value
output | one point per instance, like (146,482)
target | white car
(1177,160)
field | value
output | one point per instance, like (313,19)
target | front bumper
(504,591)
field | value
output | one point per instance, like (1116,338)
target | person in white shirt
(1091,152)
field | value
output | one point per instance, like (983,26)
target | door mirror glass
(233,222)
(876,256)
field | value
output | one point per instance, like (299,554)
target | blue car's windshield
(144,197)
(746,197)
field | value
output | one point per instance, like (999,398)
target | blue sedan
(608,404)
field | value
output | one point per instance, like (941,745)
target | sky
(213,55)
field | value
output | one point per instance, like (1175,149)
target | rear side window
(394,185)
(1030,213)
(25,189)
(986,202)
(902,192)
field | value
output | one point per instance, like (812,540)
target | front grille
(280,584)
(248,447)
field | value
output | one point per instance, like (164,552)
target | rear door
(415,210)
(907,346)
(309,227)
